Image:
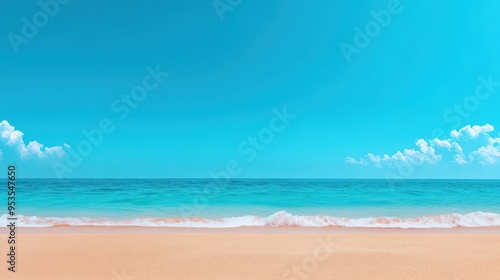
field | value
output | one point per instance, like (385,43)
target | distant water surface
(257,202)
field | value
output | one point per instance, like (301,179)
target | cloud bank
(12,139)
(470,144)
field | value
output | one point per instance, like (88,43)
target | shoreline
(63,229)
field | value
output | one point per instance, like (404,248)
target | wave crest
(278,219)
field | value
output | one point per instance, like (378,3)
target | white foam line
(278,219)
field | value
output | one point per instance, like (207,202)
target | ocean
(256,202)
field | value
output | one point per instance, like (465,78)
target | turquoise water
(121,199)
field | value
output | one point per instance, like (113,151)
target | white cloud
(433,151)
(472,131)
(459,159)
(490,153)
(14,138)
(442,143)
(351,160)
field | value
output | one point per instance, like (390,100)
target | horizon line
(253,178)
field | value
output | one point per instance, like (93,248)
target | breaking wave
(278,219)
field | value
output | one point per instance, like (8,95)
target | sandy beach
(255,253)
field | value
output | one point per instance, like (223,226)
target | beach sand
(253,253)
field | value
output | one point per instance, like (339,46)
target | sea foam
(278,219)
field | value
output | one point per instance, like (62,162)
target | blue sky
(231,69)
